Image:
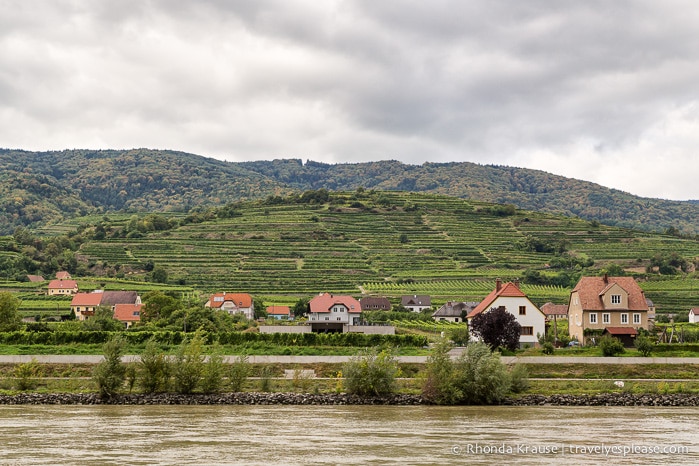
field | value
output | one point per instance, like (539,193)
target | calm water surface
(305,435)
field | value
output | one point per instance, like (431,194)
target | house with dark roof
(416,302)
(509,296)
(453,311)
(333,313)
(233,303)
(615,305)
(370,303)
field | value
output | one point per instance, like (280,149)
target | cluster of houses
(598,305)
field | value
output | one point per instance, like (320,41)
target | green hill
(39,188)
(388,244)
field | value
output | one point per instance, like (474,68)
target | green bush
(212,377)
(547,348)
(610,346)
(519,378)
(644,345)
(238,373)
(26,375)
(154,369)
(109,375)
(371,373)
(189,365)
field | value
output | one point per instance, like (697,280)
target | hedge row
(225,338)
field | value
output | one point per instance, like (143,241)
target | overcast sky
(605,91)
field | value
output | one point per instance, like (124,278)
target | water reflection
(320,435)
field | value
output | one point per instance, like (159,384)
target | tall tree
(9,314)
(497,328)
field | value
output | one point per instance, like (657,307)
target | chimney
(517,282)
(498,284)
(605,278)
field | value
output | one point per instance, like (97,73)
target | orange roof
(621,330)
(325,301)
(590,290)
(509,290)
(239,299)
(63,284)
(62,275)
(86,299)
(278,310)
(128,312)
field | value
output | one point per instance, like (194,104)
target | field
(381,244)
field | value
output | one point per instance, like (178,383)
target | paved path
(93,359)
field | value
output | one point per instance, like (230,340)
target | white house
(233,303)
(416,302)
(509,296)
(330,313)
(694,315)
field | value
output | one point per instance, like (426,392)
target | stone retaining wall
(254,398)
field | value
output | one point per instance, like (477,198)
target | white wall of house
(693,319)
(533,317)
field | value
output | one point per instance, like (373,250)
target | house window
(527,331)
(593,318)
(339,318)
(637,318)
(624,318)
(616,299)
(523,310)
(327,318)
(606,318)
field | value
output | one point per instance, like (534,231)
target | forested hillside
(40,188)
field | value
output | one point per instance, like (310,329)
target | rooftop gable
(238,299)
(86,299)
(509,289)
(63,284)
(324,302)
(591,289)
(128,312)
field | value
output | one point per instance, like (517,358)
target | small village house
(516,302)
(416,302)
(612,305)
(279,312)
(333,313)
(233,303)
(453,311)
(694,315)
(370,303)
(128,314)
(61,287)
(84,305)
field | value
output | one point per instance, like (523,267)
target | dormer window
(616,299)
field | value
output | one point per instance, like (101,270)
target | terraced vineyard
(388,244)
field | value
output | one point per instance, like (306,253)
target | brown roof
(621,330)
(63,284)
(325,301)
(35,278)
(509,290)
(278,310)
(62,275)
(454,309)
(86,299)
(416,300)
(590,291)
(695,311)
(128,312)
(370,303)
(551,309)
(112,298)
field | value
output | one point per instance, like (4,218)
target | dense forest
(39,188)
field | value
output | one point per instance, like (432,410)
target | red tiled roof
(590,291)
(551,309)
(35,278)
(62,275)
(239,299)
(695,311)
(86,299)
(324,303)
(509,290)
(63,284)
(621,330)
(128,312)
(278,310)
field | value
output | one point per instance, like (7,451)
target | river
(330,435)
